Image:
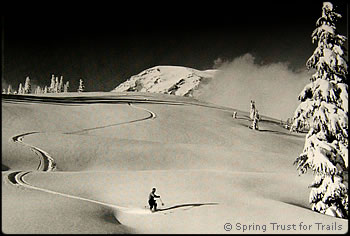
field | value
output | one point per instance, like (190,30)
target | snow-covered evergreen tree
(27,86)
(52,85)
(81,86)
(3,91)
(9,89)
(45,89)
(56,85)
(234,115)
(66,86)
(254,116)
(324,108)
(252,110)
(255,124)
(38,90)
(20,88)
(60,85)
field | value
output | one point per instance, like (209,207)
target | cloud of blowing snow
(274,87)
(4,84)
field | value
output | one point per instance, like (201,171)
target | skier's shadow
(188,205)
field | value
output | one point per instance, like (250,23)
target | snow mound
(137,211)
(176,80)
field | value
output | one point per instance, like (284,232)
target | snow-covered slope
(175,80)
(111,149)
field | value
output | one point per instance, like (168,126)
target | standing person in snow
(151,200)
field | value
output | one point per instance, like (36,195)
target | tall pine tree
(52,85)
(9,89)
(27,86)
(324,107)
(81,86)
(65,87)
(56,85)
(20,88)
(60,85)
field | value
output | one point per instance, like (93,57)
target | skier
(151,200)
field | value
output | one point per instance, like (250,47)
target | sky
(105,50)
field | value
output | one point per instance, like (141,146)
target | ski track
(19,180)
(151,116)
(47,164)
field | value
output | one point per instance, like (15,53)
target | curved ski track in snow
(151,116)
(17,178)
(47,164)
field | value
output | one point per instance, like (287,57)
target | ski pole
(161,201)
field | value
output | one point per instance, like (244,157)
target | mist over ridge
(274,87)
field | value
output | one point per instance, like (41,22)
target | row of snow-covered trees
(26,89)
(324,106)
(56,86)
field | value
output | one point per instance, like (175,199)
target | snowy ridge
(176,80)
